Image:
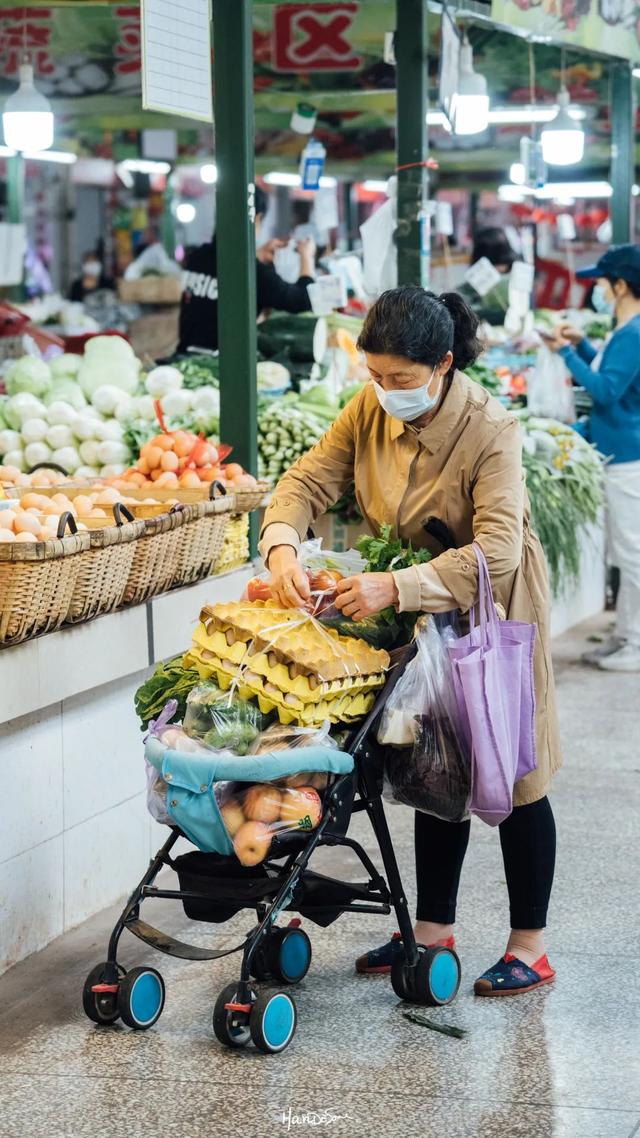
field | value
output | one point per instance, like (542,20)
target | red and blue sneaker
(381,959)
(512,977)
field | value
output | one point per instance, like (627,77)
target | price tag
(482,276)
(444,219)
(327,294)
(521,277)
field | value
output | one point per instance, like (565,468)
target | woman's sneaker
(626,659)
(512,977)
(607,648)
(381,959)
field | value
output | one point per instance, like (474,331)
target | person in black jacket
(199,304)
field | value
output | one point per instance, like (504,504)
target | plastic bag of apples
(254,814)
(324,568)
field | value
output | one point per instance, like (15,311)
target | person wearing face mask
(614,427)
(423,441)
(91,278)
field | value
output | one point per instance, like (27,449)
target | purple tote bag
(493,681)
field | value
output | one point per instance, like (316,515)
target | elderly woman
(422,440)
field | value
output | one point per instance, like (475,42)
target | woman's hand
(366,594)
(289,582)
(570,333)
(555,339)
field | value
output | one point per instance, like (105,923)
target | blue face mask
(600,303)
(408,405)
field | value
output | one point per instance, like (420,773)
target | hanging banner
(611,27)
(176,58)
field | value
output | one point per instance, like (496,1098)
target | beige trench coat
(465,468)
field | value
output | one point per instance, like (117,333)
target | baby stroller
(214,887)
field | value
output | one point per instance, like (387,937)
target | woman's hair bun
(414,324)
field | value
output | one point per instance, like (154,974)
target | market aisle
(562,1063)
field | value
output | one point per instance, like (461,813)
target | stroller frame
(411,972)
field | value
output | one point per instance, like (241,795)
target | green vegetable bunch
(286,431)
(169,681)
(223,721)
(384,554)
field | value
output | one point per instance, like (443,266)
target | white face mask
(92,268)
(409,405)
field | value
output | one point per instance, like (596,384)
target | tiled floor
(560,1063)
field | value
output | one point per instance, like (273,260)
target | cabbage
(28,374)
(107,398)
(15,458)
(87,471)
(22,407)
(108,360)
(111,452)
(9,440)
(35,453)
(162,380)
(66,457)
(66,391)
(60,436)
(206,402)
(124,408)
(34,430)
(4,399)
(65,366)
(62,414)
(89,451)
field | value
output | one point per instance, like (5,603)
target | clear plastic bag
(254,814)
(324,568)
(426,763)
(279,737)
(222,720)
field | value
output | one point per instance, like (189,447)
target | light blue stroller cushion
(191,800)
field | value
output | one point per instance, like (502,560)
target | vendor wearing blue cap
(614,386)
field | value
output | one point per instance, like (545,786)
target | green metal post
(411,133)
(15,204)
(167,224)
(622,151)
(235,213)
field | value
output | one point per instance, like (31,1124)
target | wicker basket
(37,582)
(153,568)
(104,569)
(248,500)
(202,539)
(151,290)
(235,548)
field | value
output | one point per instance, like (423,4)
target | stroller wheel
(101,1007)
(273,1021)
(230,1027)
(434,980)
(289,955)
(141,998)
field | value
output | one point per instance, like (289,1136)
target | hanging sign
(611,27)
(482,276)
(176,58)
(314,37)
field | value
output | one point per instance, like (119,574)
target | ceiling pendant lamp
(27,118)
(563,138)
(470,103)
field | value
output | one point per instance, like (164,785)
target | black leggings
(528,840)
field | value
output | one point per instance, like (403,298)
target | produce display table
(72,751)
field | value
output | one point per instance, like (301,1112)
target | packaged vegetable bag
(426,763)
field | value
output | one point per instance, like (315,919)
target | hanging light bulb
(469,111)
(563,138)
(27,118)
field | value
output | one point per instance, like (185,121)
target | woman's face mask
(411,404)
(92,268)
(603,299)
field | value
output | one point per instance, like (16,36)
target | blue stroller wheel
(101,1007)
(230,1027)
(433,981)
(141,998)
(290,955)
(273,1021)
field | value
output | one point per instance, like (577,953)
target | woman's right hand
(289,582)
(570,333)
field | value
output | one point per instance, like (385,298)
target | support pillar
(622,152)
(411,133)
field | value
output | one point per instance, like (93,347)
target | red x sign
(312,37)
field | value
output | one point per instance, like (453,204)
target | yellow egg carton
(342,709)
(297,641)
(307,687)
